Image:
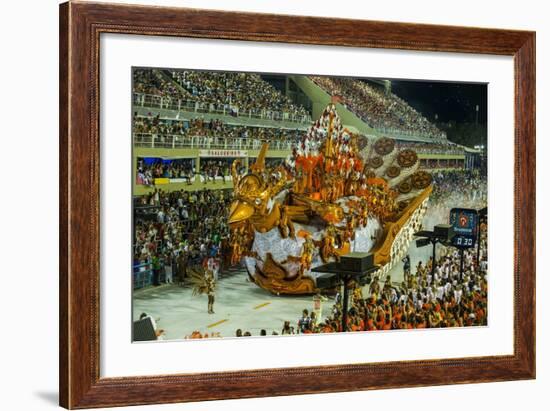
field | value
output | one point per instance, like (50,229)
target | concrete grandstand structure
(170,98)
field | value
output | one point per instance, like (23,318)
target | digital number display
(465,224)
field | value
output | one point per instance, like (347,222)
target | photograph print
(288,204)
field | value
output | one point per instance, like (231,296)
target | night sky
(449,101)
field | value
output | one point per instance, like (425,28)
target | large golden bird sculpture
(337,192)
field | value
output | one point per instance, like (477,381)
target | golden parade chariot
(337,192)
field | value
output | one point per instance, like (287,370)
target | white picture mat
(119,357)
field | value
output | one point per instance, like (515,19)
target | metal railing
(395,132)
(169,103)
(432,150)
(143,275)
(442,151)
(182,141)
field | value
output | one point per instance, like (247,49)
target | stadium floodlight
(422,242)
(353,266)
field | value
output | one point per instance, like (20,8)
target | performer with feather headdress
(203,283)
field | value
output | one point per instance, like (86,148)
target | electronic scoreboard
(465,225)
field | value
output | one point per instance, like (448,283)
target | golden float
(338,192)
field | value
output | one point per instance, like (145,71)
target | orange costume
(307,165)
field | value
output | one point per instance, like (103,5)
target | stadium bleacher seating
(197,110)
(382,110)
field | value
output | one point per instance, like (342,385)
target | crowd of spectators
(151,81)
(185,228)
(238,93)
(381,110)
(431,148)
(210,170)
(442,164)
(238,333)
(443,300)
(247,93)
(453,188)
(214,133)
(213,128)
(159,168)
(446,299)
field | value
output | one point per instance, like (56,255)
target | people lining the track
(446,299)
(182,229)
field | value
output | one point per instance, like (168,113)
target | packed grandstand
(189,127)
(238,111)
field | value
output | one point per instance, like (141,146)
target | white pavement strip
(179,313)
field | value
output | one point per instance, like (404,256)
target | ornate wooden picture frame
(80,27)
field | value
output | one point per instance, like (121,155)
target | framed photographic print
(258,205)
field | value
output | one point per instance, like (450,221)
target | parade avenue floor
(239,304)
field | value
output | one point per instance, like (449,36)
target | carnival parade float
(338,192)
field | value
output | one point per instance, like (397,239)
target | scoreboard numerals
(465,225)
(464,241)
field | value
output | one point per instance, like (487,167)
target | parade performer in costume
(203,283)
(211,285)
(308,248)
